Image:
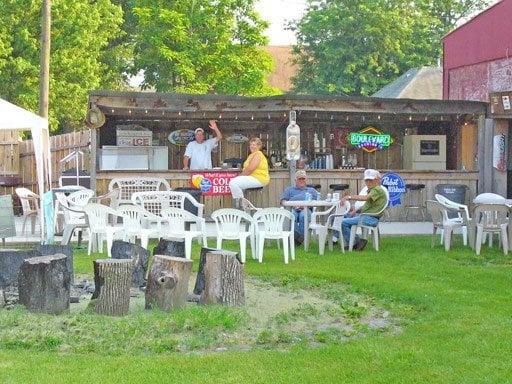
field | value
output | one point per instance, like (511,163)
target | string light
(220,116)
(268,115)
(410,117)
(363,118)
(179,113)
(316,115)
(112,111)
(332,117)
(146,111)
(378,117)
(236,117)
(346,117)
(252,117)
(163,113)
(130,111)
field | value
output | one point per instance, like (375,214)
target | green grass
(456,327)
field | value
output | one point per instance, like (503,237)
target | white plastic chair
(329,225)
(100,227)
(157,201)
(134,220)
(368,229)
(174,225)
(490,219)
(30,207)
(461,210)
(270,224)
(129,185)
(228,222)
(441,222)
(74,218)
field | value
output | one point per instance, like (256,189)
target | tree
(355,47)
(81,32)
(201,46)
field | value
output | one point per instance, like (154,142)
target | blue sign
(396,187)
(205,185)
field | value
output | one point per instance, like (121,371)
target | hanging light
(252,117)
(179,113)
(130,111)
(220,116)
(378,117)
(145,111)
(410,117)
(112,111)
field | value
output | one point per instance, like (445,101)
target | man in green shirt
(374,203)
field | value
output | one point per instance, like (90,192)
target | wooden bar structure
(330,119)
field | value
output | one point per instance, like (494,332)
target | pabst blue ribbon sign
(396,187)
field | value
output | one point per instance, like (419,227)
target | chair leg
(91,241)
(322,236)
(504,239)
(66,236)
(110,240)
(442,236)
(253,246)
(465,235)
(188,248)
(353,230)
(144,240)
(329,240)
(243,245)
(376,239)
(33,223)
(261,244)
(447,238)
(205,241)
(292,245)
(285,249)
(219,242)
(478,241)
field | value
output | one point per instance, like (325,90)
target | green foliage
(81,58)
(201,46)
(355,47)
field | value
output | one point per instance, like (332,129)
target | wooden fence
(60,147)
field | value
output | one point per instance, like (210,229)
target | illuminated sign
(370,139)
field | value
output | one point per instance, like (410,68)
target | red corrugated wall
(478,55)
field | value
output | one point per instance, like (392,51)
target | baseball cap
(371,174)
(199,129)
(300,174)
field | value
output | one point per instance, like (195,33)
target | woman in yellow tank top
(254,173)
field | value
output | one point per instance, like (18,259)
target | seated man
(374,203)
(297,193)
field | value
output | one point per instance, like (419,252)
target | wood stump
(223,278)
(168,282)
(112,280)
(140,257)
(44,284)
(199,286)
(170,247)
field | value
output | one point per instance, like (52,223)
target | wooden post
(224,279)
(44,75)
(44,284)
(168,282)
(112,280)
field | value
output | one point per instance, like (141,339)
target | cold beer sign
(212,183)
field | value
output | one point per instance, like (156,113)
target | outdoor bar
(426,142)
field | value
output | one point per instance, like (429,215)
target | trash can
(454,192)
(196,194)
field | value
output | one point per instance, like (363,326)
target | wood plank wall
(270,196)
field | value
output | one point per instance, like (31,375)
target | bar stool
(252,192)
(414,199)
(339,187)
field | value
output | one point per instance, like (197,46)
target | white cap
(371,174)
(199,130)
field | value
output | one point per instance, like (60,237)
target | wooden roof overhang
(169,106)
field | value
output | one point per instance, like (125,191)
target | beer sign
(370,139)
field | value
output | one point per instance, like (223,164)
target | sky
(277,13)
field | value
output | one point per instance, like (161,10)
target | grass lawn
(456,327)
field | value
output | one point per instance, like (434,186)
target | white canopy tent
(14,117)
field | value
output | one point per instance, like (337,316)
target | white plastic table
(308,204)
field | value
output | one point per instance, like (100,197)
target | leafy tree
(81,58)
(201,46)
(357,46)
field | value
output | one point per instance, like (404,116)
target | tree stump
(140,257)
(44,284)
(224,279)
(112,280)
(199,286)
(168,282)
(170,247)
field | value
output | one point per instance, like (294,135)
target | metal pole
(44,74)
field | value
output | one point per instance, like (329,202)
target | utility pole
(44,74)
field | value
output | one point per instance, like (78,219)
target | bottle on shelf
(316,143)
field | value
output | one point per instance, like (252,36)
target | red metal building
(478,55)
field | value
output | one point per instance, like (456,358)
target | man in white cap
(299,192)
(198,154)
(374,203)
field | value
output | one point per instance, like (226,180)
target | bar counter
(280,179)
